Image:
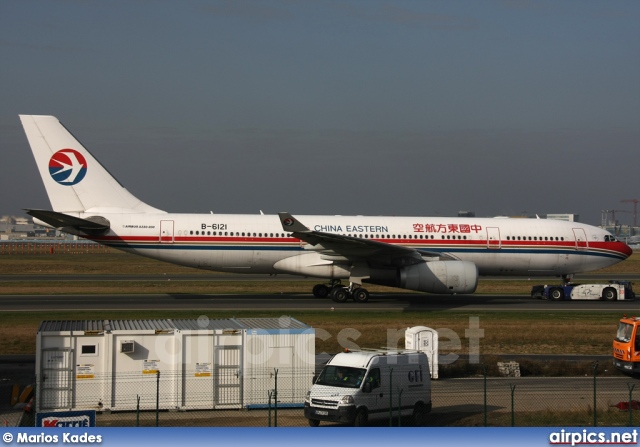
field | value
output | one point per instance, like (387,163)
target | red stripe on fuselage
(615,247)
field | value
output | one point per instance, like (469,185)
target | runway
(390,302)
(209,276)
(379,302)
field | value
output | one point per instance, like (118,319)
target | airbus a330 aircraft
(427,254)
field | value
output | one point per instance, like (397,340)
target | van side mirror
(313,379)
(366,388)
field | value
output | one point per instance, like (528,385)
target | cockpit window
(610,238)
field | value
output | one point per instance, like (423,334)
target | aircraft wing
(355,248)
(94,224)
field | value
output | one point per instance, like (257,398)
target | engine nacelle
(312,264)
(440,277)
(433,277)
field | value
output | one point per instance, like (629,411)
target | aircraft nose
(628,251)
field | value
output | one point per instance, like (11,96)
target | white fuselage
(255,243)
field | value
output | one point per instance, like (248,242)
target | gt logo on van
(416,375)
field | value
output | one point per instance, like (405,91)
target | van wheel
(314,422)
(361,418)
(419,414)
(609,294)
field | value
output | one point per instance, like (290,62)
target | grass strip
(586,333)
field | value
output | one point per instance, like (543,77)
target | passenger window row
(534,238)
(231,233)
(367,236)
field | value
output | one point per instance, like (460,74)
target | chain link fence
(275,397)
(52,247)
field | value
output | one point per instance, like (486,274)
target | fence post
(513,413)
(37,395)
(391,397)
(484,374)
(158,399)
(400,408)
(595,411)
(275,400)
(138,412)
(631,386)
(269,393)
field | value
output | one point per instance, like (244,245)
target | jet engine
(434,277)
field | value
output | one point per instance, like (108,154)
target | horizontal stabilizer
(94,224)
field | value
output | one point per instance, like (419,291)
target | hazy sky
(333,107)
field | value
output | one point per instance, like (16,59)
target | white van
(356,386)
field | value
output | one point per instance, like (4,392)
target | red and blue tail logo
(67,167)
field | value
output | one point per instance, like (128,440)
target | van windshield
(342,376)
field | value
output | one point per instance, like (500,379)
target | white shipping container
(121,365)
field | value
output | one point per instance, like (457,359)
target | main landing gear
(339,293)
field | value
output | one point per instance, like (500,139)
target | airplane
(442,255)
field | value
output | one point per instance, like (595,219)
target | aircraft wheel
(339,294)
(320,291)
(609,294)
(556,294)
(360,295)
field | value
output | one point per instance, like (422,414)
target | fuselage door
(166,231)
(493,237)
(581,239)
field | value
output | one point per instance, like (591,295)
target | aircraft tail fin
(75,181)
